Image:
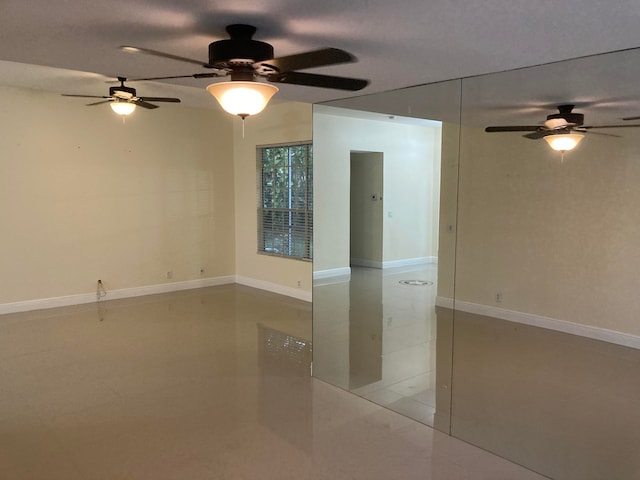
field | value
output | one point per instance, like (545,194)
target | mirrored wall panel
(545,366)
(382,164)
(515,328)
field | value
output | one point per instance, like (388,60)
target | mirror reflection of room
(384,261)
(537,339)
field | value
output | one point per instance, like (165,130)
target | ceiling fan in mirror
(563,131)
(123,100)
(245,60)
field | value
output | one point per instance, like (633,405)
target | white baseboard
(405,262)
(444,302)
(331,277)
(588,331)
(275,288)
(83,298)
(334,272)
(409,262)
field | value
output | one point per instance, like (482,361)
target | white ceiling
(398,44)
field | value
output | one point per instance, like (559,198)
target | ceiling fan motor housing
(239,47)
(244,59)
(128,91)
(566,113)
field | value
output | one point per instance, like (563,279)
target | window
(285,200)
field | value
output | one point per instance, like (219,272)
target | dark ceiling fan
(244,59)
(125,99)
(565,122)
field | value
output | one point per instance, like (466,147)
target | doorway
(366,211)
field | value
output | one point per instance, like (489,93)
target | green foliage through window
(285,200)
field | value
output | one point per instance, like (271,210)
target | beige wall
(411,191)
(283,122)
(85,197)
(558,239)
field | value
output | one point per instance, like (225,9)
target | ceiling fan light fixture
(122,107)
(242,98)
(563,142)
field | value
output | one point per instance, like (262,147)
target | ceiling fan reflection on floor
(244,60)
(563,130)
(123,100)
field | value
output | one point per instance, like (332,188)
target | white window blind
(285,200)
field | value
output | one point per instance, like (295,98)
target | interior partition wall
(519,330)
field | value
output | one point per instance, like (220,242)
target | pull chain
(243,116)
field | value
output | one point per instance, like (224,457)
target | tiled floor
(205,384)
(387,339)
(560,404)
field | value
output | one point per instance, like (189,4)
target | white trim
(404,262)
(588,331)
(444,302)
(83,298)
(334,272)
(408,262)
(275,288)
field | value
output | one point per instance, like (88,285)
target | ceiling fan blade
(171,77)
(590,132)
(513,128)
(589,127)
(159,99)
(84,96)
(314,80)
(317,58)
(157,53)
(141,103)
(100,102)
(536,135)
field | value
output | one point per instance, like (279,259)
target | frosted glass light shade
(242,98)
(122,108)
(564,142)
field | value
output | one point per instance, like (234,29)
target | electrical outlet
(201,270)
(499,297)
(169,273)
(299,284)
